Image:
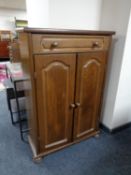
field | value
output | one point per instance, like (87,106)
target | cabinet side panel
(28,67)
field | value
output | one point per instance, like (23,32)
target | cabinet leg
(97,135)
(37,159)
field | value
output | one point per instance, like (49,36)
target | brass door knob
(78,104)
(72,105)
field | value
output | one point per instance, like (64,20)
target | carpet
(106,155)
(2,87)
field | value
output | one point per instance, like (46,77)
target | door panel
(90,74)
(55,92)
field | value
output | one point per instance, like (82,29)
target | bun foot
(37,159)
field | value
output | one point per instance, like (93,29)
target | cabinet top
(65,31)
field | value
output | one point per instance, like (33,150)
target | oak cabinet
(67,73)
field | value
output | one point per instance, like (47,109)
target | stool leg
(12,119)
(10,108)
(19,113)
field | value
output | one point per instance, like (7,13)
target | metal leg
(7,75)
(12,119)
(8,96)
(19,113)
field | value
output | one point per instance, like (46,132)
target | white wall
(7,18)
(38,13)
(115,16)
(77,14)
(122,111)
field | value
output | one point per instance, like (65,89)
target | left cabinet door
(55,78)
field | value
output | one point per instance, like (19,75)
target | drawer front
(45,43)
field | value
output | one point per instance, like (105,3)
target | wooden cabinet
(67,73)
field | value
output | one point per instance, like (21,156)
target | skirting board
(112,131)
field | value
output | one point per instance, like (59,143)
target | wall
(7,18)
(122,111)
(115,16)
(77,14)
(38,13)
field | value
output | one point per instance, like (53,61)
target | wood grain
(65,31)
(55,92)
(90,74)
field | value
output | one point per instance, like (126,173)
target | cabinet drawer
(69,43)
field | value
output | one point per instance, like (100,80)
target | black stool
(11,96)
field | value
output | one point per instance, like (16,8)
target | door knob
(78,104)
(72,105)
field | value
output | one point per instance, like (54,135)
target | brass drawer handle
(55,44)
(47,45)
(95,44)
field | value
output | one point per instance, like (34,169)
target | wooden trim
(37,156)
(65,31)
(32,70)
(32,146)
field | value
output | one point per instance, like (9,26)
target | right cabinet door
(89,83)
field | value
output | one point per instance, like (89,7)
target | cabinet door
(89,82)
(55,93)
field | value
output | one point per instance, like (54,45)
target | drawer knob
(55,44)
(95,44)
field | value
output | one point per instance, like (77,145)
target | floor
(106,155)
